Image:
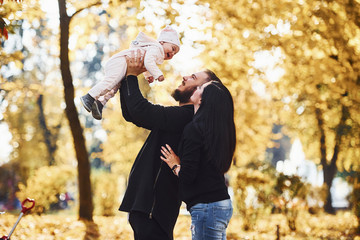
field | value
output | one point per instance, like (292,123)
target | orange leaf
(5,33)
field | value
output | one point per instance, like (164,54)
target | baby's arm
(148,77)
(161,78)
(151,66)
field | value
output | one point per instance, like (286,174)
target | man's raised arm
(142,112)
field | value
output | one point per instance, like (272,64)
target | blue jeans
(210,220)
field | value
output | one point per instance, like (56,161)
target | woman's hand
(169,156)
(135,65)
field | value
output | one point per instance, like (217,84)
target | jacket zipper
(127,86)
(142,150)
(153,205)
(157,176)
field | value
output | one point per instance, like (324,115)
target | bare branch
(89,6)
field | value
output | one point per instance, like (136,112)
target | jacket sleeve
(150,60)
(191,155)
(124,110)
(148,115)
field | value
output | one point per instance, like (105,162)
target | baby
(153,51)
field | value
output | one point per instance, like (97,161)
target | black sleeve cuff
(131,77)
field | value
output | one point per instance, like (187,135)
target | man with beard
(151,197)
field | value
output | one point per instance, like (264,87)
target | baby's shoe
(96,109)
(87,101)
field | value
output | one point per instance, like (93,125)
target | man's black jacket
(152,187)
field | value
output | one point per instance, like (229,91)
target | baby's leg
(115,70)
(106,97)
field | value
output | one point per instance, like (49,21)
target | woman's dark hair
(215,119)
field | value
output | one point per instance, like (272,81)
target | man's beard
(183,96)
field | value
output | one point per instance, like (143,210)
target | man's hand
(135,65)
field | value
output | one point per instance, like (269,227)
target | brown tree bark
(330,169)
(49,137)
(85,196)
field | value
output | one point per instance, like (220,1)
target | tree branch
(339,135)
(89,6)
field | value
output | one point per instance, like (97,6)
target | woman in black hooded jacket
(205,155)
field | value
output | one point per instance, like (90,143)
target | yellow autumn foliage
(45,186)
(61,227)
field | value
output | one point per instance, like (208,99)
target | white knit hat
(168,34)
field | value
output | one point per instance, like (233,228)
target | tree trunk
(85,197)
(49,138)
(330,169)
(329,174)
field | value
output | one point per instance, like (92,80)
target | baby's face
(170,50)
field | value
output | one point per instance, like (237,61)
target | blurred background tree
(252,193)
(355,197)
(46,185)
(311,86)
(84,26)
(290,197)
